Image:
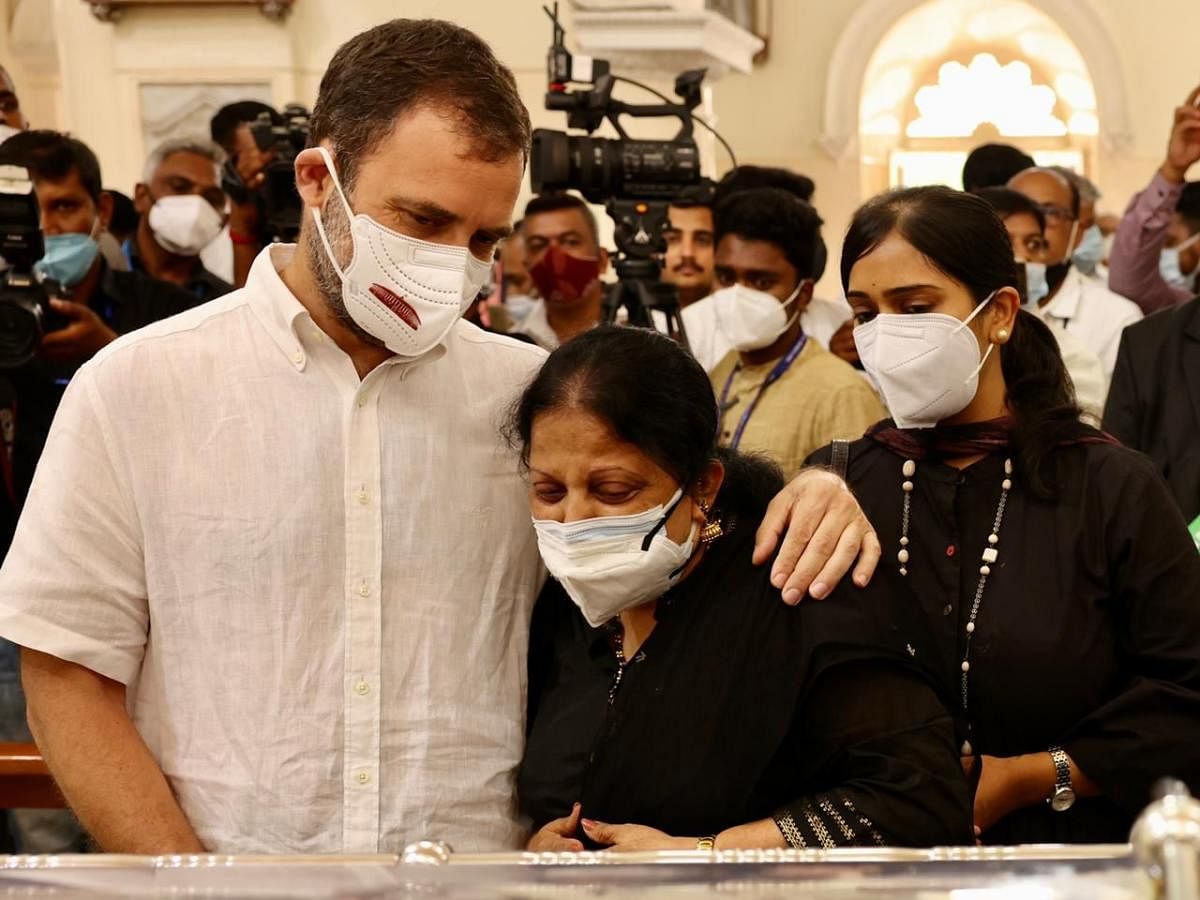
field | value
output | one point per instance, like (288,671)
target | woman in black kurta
(1086,632)
(736,709)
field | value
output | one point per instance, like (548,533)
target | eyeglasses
(1035,245)
(1056,214)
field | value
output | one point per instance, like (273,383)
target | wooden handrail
(25,782)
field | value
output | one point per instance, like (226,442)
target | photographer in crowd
(182,210)
(244,176)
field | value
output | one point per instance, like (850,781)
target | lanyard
(776,373)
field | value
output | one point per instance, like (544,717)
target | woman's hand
(634,837)
(1007,784)
(557,836)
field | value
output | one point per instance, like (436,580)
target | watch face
(1064,799)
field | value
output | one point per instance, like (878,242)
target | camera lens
(20,332)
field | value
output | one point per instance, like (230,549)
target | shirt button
(363,498)
(362,689)
(298,358)
(362,401)
(951,550)
(363,776)
(364,590)
(947,609)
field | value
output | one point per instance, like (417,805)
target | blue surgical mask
(68,258)
(1036,286)
(1090,251)
(1168,265)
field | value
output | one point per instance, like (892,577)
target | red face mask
(561,277)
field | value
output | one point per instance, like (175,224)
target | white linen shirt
(1089,311)
(317,589)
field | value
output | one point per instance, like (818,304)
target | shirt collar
(1066,302)
(282,315)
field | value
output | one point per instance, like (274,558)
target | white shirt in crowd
(709,345)
(1085,308)
(1087,374)
(317,589)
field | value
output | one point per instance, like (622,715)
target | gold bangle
(707,843)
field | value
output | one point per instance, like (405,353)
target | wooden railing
(25,782)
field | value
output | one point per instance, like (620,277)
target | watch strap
(1062,768)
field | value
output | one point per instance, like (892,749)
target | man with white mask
(248,579)
(182,209)
(780,392)
(1075,303)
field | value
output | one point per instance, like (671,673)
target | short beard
(329,283)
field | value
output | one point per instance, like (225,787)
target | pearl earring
(1002,335)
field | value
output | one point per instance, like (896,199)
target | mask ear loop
(663,521)
(792,299)
(337,185)
(967,321)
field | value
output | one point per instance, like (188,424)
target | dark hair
(774,216)
(224,123)
(960,235)
(124,216)
(992,165)
(1007,202)
(52,156)
(747,178)
(1188,205)
(653,394)
(390,69)
(545,203)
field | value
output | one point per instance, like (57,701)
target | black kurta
(1088,636)
(738,707)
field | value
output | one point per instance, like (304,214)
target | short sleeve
(73,584)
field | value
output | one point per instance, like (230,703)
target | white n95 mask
(752,319)
(927,365)
(406,292)
(613,563)
(184,224)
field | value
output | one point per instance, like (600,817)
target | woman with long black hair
(1058,576)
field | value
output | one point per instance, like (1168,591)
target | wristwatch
(1063,797)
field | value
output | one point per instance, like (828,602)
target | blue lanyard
(776,373)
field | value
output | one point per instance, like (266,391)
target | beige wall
(773,116)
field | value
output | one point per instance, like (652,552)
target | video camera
(636,180)
(286,135)
(25,313)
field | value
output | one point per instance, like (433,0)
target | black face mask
(1057,273)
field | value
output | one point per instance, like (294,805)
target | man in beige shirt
(781,394)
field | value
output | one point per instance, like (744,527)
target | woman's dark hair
(962,237)
(654,395)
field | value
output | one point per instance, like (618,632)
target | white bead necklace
(991,553)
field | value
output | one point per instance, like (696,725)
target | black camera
(635,179)
(286,135)
(25,313)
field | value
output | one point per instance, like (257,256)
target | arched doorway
(952,74)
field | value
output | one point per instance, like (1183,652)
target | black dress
(1088,634)
(737,708)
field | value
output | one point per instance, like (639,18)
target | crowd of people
(387,535)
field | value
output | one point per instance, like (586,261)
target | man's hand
(826,532)
(557,836)
(634,837)
(85,334)
(842,343)
(251,164)
(1183,148)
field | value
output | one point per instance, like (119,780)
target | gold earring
(1002,335)
(711,530)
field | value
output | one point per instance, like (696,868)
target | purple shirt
(1133,262)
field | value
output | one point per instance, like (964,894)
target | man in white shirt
(274,576)
(1077,303)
